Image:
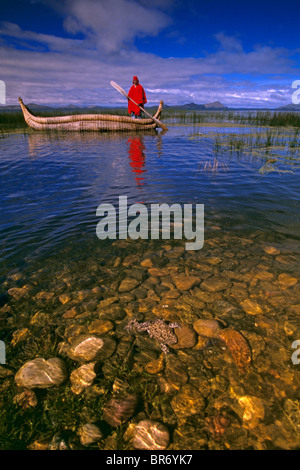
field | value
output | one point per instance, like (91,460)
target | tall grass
(13,120)
(277,149)
(259,118)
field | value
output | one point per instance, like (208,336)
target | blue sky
(57,52)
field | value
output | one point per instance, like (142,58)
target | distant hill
(215,105)
(31,106)
(197,107)
(190,106)
(290,107)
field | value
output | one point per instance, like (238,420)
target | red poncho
(137,93)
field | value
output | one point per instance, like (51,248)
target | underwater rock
(74,330)
(147,263)
(263,276)
(64,298)
(131,259)
(271,250)
(39,444)
(217,426)
(100,327)
(41,373)
(207,328)
(90,347)
(26,399)
(238,347)
(158,272)
(251,307)
(144,356)
(199,380)
(150,435)
(18,292)
(193,301)
(140,293)
(119,409)
(112,313)
(128,284)
(155,366)
(255,341)
(215,283)
(286,280)
(71,313)
(186,338)
(19,336)
(176,372)
(202,342)
(39,319)
(89,434)
(184,282)
(214,260)
(44,296)
(82,377)
(107,302)
(295,309)
(4,373)
(254,410)
(169,294)
(222,308)
(58,443)
(187,402)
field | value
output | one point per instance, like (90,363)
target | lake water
(58,280)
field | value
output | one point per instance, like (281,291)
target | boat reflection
(137,158)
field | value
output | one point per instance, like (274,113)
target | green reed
(259,118)
(12,120)
(278,150)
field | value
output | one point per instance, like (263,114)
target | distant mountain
(290,107)
(197,107)
(215,105)
(31,106)
(191,106)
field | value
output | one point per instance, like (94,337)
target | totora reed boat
(90,122)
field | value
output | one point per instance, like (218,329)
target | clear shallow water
(58,280)
(52,185)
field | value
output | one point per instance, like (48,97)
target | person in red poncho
(137,93)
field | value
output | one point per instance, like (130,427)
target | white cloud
(31,39)
(113,24)
(229,43)
(63,70)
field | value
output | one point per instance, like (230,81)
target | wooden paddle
(123,92)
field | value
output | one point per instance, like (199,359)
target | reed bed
(277,150)
(266,140)
(12,120)
(258,118)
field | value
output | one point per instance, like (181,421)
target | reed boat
(90,122)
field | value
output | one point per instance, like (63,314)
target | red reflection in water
(137,158)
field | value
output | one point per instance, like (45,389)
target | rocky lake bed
(77,377)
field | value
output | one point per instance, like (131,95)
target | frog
(157,329)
